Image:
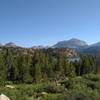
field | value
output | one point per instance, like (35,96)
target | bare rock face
(4,97)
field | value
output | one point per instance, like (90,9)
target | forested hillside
(28,66)
(48,74)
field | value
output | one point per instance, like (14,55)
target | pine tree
(37,72)
(86,65)
(24,64)
(3,70)
(11,66)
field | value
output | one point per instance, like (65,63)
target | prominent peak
(76,39)
(72,43)
(10,44)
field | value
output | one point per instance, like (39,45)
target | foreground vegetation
(86,87)
(47,74)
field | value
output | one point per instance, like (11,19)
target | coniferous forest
(48,74)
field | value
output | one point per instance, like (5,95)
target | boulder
(4,97)
(10,86)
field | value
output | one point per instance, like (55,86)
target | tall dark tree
(3,69)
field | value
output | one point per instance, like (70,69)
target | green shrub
(92,77)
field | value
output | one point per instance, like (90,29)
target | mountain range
(77,44)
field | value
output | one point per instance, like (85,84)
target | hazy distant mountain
(96,44)
(93,49)
(72,43)
(40,47)
(1,44)
(10,44)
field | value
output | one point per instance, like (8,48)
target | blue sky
(45,22)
